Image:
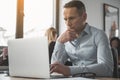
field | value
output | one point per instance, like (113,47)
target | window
(38,16)
(7,20)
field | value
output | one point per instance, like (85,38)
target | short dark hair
(115,38)
(76,3)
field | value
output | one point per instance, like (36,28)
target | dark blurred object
(86,75)
(115,59)
(51,48)
(68,63)
(3,56)
(4,62)
(115,43)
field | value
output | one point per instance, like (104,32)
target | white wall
(94,11)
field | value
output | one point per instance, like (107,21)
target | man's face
(115,43)
(73,19)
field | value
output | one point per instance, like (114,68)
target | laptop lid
(29,57)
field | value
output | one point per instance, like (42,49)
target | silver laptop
(29,57)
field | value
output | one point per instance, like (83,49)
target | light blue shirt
(90,52)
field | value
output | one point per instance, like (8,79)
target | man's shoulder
(96,30)
(92,29)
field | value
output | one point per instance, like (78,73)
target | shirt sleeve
(104,65)
(104,55)
(59,53)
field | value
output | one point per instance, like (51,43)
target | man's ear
(84,16)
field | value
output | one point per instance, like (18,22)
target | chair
(115,59)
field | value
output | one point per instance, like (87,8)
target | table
(108,78)
(5,77)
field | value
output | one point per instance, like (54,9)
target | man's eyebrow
(71,17)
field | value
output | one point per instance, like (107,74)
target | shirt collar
(84,32)
(87,29)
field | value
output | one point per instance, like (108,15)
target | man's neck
(80,30)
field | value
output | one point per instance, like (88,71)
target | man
(4,57)
(115,43)
(86,47)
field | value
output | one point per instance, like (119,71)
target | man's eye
(65,19)
(71,18)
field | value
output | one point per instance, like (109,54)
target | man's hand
(60,68)
(68,35)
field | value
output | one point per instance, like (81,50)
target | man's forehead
(70,8)
(70,11)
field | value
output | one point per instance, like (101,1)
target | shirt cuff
(75,70)
(59,46)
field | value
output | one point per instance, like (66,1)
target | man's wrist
(60,40)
